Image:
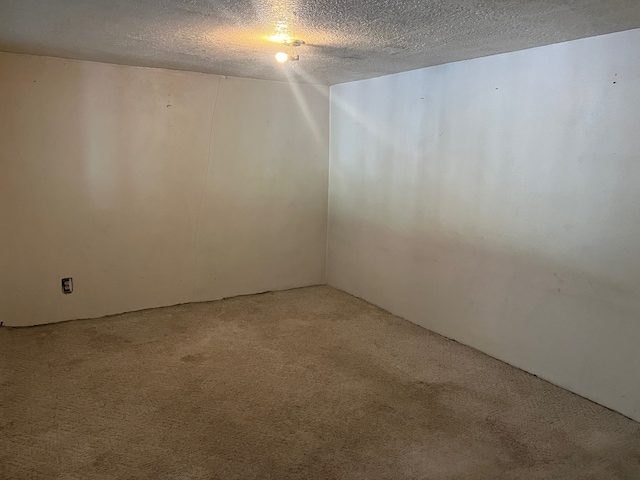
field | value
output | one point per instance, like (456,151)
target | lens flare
(279,38)
(282,57)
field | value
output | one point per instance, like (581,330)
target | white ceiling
(346,39)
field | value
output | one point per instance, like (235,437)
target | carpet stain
(104,341)
(197,358)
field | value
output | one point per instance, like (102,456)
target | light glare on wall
(282,57)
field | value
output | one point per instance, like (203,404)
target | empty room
(285,239)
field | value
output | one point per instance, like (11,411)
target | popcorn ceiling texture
(346,40)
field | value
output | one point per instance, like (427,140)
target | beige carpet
(306,384)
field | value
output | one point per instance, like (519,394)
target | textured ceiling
(346,39)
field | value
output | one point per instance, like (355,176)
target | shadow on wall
(554,320)
(119,183)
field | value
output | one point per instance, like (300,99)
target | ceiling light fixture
(292,56)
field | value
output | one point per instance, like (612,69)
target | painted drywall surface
(497,202)
(124,179)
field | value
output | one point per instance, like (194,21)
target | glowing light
(282,57)
(280,38)
(281,34)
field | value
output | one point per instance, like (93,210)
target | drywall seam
(326,259)
(204,187)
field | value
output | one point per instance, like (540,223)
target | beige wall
(104,178)
(497,202)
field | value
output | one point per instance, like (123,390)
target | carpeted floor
(307,384)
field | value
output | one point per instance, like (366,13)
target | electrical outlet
(67,285)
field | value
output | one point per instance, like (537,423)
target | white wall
(497,201)
(104,178)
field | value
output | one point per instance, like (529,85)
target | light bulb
(282,57)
